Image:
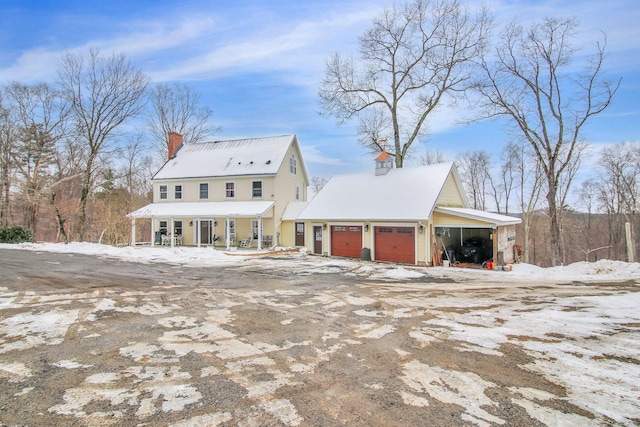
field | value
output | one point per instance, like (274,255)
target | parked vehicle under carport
(473,250)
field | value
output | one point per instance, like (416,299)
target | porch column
(228,232)
(153,231)
(196,231)
(133,231)
(172,233)
(259,233)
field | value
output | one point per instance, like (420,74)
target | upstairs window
(177,194)
(163,192)
(256,189)
(204,190)
(293,164)
(297,192)
(230,190)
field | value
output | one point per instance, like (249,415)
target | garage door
(346,241)
(397,244)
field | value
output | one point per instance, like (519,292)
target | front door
(299,233)
(205,232)
(317,240)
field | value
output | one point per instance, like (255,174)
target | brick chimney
(175,141)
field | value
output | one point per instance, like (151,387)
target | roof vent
(268,162)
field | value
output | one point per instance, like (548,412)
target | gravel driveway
(281,341)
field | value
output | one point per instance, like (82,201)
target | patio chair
(246,243)
(267,242)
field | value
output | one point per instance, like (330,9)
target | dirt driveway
(96,341)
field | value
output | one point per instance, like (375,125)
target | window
(204,190)
(230,190)
(256,189)
(163,192)
(163,227)
(297,192)
(177,191)
(177,228)
(293,164)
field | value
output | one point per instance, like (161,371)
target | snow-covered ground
(600,271)
(586,343)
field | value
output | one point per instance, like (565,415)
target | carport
(474,236)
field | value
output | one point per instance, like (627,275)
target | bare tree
(317,183)
(414,57)
(432,157)
(529,82)
(8,136)
(475,172)
(620,188)
(103,93)
(41,115)
(528,177)
(176,108)
(134,169)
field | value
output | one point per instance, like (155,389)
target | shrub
(15,234)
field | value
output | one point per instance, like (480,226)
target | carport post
(133,231)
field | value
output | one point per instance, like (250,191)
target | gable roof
(407,194)
(238,157)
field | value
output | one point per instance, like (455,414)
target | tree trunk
(61,220)
(554,226)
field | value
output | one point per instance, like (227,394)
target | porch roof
(488,217)
(204,210)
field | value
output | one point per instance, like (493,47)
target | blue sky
(258,63)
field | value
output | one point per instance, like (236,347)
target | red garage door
(397,244)
(346,241)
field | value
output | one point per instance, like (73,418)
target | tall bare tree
(432,157)
(41,115)
(475,172)
(529,81)
(414,57)
(176,108)
(620,189)
(8,136)
(103,91)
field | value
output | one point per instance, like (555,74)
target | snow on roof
(489,217)
(408,194)
(292,211)
(203,209)
(253,156)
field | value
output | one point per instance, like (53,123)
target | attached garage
(396,244)
(346,241)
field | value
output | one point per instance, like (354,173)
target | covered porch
(228,224)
